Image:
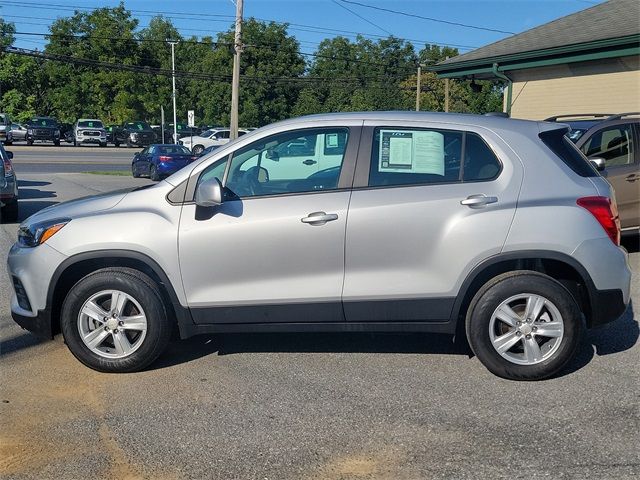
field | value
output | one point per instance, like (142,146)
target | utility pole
(173,71)
(235,85)
(419,77)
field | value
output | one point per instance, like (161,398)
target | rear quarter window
(565,150)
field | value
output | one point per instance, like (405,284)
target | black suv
(45,129)
(612,140)
(134,134)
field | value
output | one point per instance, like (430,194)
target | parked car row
(136,133)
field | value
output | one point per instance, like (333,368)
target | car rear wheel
(197,150)
(153,173)
(524,325)
(114,320)
(134,172)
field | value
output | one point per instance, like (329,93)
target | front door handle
(632,178)
(479,200)
(309,162)
(319,218)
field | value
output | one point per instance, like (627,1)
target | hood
(81,206)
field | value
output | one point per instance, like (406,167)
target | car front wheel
(524,325)
(114,320)
(197,150)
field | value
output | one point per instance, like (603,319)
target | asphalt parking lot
(291,406)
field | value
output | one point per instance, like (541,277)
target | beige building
(586,62)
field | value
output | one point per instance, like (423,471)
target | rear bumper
(606,306)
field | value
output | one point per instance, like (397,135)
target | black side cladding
(564,148)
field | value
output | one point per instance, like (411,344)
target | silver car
(480,226)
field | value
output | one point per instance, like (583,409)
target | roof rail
(574,115)
(622,115)
(497,114)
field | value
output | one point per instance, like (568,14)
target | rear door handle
(632,178)
(477,201)
(319,218)
(309,162)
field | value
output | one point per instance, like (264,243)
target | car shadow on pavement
(26,209)
(183,351)
(609,339)
(631,242)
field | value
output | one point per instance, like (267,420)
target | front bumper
(34,269)
(40,325)
(91,140)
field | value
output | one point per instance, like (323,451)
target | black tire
(56,143)
(197,150)
(9,213)
(103,144)
(153,173)
(116,143)
(8,142)
(133,172)
(146,293)
(503,287)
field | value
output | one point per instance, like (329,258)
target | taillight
(164,158)
(8,168)
(605,211)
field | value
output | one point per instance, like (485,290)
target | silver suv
(489,227)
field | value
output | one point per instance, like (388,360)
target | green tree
(106,35)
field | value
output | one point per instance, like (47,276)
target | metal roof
(608,20)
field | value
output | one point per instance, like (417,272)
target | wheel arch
(76,267)
(559,266)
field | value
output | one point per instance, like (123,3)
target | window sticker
(403,151)
(332,140)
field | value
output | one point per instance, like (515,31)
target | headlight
(38,233)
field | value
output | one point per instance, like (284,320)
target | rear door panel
(408,248)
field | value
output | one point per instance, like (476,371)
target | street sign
(191,118)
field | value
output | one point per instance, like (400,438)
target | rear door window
(402,156)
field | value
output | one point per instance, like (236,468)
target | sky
(307,17)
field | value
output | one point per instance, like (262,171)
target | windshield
(138,125)
(91,124)
(208,133)
(43,122)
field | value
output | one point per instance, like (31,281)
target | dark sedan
(160,160)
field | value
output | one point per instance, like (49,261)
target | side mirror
(10,155)
(598,163)
(209,193)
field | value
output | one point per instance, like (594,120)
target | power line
(190,74)
(265,45)
(198,17)
(361,17)
(431,19)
